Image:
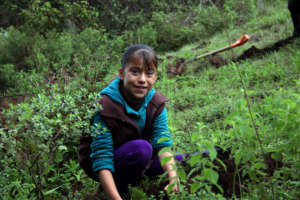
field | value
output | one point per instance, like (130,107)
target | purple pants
(130,162)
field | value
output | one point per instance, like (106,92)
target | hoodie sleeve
(161,130)
(101,146)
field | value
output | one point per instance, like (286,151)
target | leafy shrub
(89,55)
(39,146)
(66,50)
(43,16)
(277,124)
(52,52)
(281,116)
(120,16)
(242,11)
(210,18)
(7,72)
(171,32)
(15,46)
(94,46)
(18,82)
(147,35)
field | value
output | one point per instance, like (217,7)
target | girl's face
(138,78)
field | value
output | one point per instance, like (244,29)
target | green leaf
(219,187)
(237,157)
(195,159)
(171,186)
(62,148)
(163,139)
(211,148)
(212,154)
(195,137)
(165,149)
(166,159)
(210,175)
(276,156)
(181,174)
(47,4)
(52,190)
(195,187)
(259,166)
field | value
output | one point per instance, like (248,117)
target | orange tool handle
(242,40)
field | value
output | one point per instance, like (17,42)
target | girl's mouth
(140,88)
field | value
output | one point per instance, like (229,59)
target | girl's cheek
(152,81)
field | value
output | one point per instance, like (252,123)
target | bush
(39,146)
(7,73)
(147,35)
(18,82)
(211,19)
(241,11)
(91,54)
(42,16)
(93,45)
(15,46)
(172,33)
(51,53)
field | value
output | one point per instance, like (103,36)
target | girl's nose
(142,77)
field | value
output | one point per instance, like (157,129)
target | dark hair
(146,55)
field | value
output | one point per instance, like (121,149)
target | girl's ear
(121,74)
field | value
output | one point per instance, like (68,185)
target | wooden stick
(242,40)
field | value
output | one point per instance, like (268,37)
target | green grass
(205,108)
(208,101)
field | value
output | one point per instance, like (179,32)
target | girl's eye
(150,72)
(135,72)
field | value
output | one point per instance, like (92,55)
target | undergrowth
(250,107)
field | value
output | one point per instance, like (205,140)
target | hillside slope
(245,101)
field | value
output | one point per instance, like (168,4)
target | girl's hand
(169,167)
(175,188)
(109,185)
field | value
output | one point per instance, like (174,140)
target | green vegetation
(59,54)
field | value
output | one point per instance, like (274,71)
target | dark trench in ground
(253,52)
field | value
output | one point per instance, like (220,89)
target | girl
(128,128)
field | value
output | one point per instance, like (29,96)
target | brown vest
(122,127)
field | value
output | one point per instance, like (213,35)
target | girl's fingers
(174,189)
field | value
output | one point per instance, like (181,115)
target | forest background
(57,55)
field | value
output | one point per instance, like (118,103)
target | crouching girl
(127,130)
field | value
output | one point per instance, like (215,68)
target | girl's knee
(141,149)
(135,151)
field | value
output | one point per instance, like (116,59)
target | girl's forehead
(142,60)
(135,59)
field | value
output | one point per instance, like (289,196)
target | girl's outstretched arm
(170,168)
(109,185)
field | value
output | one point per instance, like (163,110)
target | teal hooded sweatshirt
(102,146)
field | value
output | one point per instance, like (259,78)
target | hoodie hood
(113,91)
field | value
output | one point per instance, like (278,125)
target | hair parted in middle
(146,52)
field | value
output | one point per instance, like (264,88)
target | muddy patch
(177,66)
(217,61)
